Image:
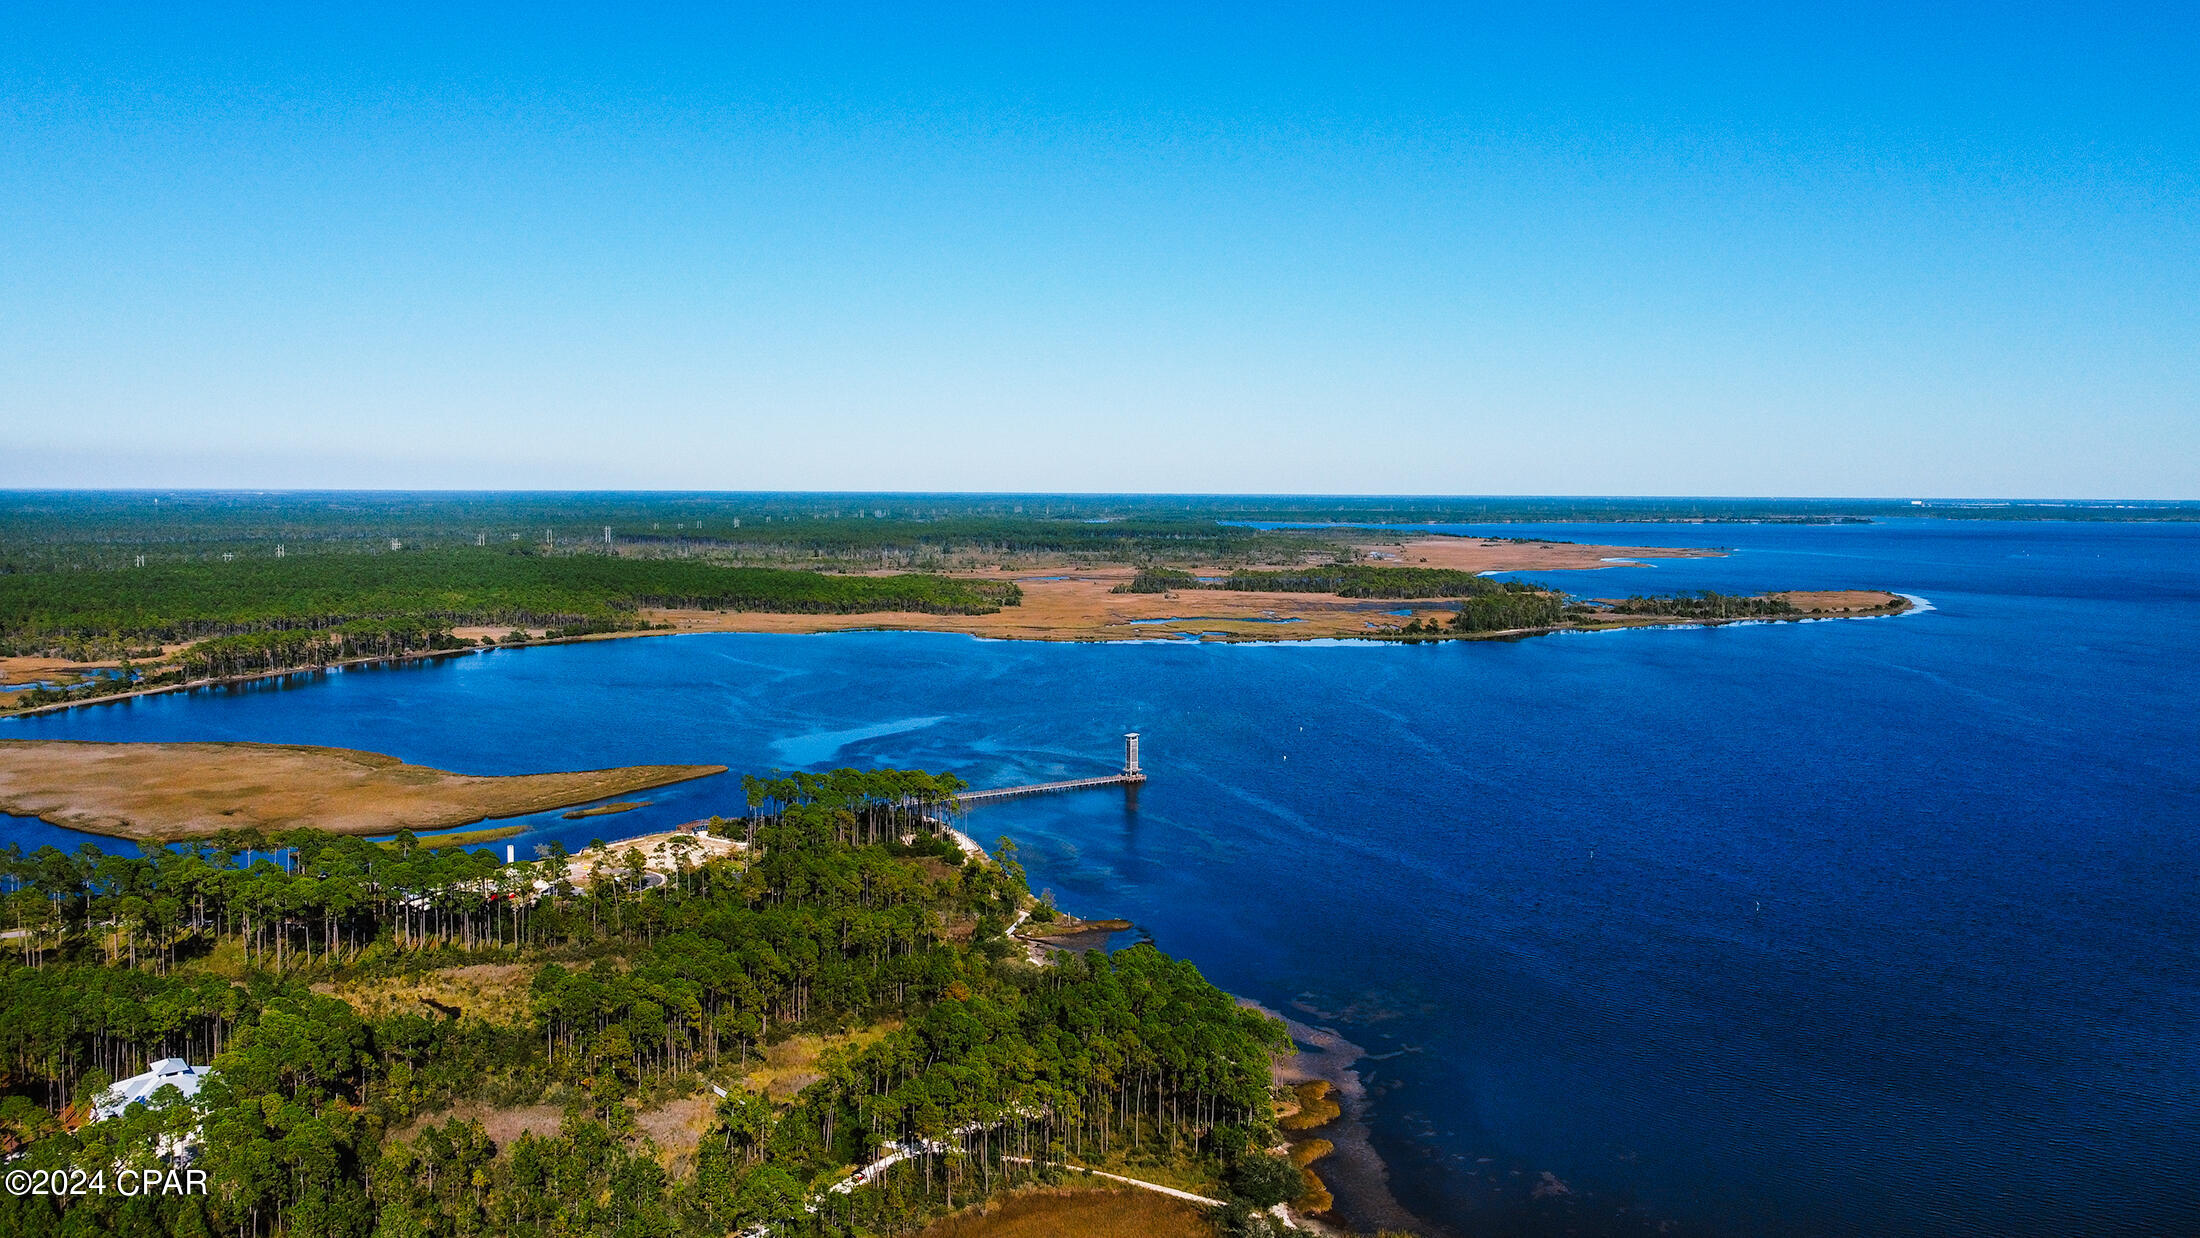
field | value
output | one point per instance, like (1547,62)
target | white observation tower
(1130,754)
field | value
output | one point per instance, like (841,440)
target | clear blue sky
(1643,249)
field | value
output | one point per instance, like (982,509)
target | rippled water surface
(1871,926)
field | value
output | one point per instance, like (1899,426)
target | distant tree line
(1158,580)
(52,611)
(1705,605)
(92,530)
(40,530)
(250,653)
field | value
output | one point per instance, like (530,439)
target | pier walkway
(1130,776)
(968,798)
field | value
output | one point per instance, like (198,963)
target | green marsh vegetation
(1365,581)
(1483,603)
(1343,579)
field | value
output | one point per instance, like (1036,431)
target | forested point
(1521,607)
(847,909)
(1706,604)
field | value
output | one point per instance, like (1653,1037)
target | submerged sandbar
(161,792)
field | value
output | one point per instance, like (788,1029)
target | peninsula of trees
(571,1021)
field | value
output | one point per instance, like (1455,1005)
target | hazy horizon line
(1907,497)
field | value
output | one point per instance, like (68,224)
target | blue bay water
(1858,927)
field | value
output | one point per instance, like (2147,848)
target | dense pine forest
(88,531)
(331,594)
(350,994)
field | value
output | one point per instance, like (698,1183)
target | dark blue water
(1882,926)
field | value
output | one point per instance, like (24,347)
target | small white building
(168,1072)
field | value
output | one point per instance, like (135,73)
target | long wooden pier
(968,798)
(1130,776)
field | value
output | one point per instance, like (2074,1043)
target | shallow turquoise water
(1871,926)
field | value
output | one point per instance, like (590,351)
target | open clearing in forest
(492,992)
(162,792)
(677,1128)
(790,1065)
(503,1124)
(1086,1213)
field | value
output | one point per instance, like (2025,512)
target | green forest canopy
(173,601)
(319,1120)
(43,528)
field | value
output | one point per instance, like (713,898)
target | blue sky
(1640,249)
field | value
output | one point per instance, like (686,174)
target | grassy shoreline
(163,792)
(1219,630)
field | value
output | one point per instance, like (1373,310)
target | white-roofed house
(168,1072)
